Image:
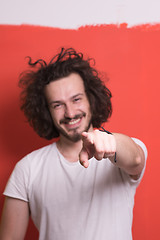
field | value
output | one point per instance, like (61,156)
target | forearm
(14,220)
(129,155)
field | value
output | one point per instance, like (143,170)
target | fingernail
(84,164)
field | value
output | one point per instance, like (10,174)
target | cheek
(85,106)
(56,116)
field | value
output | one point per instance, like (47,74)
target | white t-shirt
(69,202)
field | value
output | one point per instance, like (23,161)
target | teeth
(73,122)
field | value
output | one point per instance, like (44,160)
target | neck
(65,143)
(70,150)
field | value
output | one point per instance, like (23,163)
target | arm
(129,155)
(14,220)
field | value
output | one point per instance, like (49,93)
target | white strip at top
(72,14)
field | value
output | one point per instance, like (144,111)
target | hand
(96,144)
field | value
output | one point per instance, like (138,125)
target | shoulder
(36,155)
(41,151)
(32,163)
(25,171)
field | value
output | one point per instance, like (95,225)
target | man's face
(69,106)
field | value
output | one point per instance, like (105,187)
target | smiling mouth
(74,121)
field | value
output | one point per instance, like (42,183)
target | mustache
(68,119)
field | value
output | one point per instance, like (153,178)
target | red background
(131,59)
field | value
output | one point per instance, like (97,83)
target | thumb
(83,158)
(87,138)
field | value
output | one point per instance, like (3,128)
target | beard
(75,136)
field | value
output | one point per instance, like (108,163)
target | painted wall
(128,53)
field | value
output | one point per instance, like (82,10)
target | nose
(69,111)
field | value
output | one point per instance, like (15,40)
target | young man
(68,200)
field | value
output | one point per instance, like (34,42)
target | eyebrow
(60,101)
(77,95)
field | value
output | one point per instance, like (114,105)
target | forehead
(65,88)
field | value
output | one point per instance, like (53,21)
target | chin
(76,134)
(75,138)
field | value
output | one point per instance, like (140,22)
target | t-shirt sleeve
(17,186)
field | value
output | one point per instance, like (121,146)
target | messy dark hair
(33,82)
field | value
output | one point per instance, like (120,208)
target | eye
(56,106)
(78,99)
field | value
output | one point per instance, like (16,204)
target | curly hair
(33,100)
